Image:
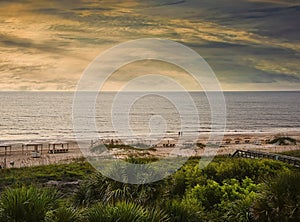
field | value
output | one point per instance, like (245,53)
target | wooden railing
(258,155)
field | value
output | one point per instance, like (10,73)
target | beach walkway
(259,155)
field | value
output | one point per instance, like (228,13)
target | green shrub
(257,170)
(279,199)
(239,210)
(27,204)
(106,190)
(208,195)
(64,214)
(124,212)
(187,210)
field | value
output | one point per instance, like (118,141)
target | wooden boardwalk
(258,155)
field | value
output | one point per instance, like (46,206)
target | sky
(249,44)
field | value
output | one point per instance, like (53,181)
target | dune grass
(294,153)
(78,170)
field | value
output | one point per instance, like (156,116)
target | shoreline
(282,132)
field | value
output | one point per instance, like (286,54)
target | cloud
(47,45)
(24,43)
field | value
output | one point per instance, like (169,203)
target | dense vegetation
(228,189)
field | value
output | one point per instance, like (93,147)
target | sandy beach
(230,143)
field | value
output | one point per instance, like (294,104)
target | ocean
(48,115)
